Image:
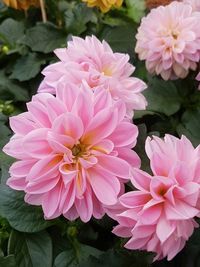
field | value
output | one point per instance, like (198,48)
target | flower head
(73,151)
(104,5)
(95,62)
(169,40)
(159,215)
(22,4)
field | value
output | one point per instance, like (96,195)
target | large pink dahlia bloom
(159,215)
(168,39)
(73,151)
(94,61)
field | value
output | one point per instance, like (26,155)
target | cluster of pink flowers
(159,215)
(168,39)
(74,149)
(74,144)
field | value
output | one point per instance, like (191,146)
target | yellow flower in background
(104,5)
(21,4)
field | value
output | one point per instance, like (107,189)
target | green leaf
(27,67)
(5,162)
(44,38)
(65,258)
(11,90)
(71,258)
(77,17)
(31,250)
(8,261)
(135,9)
(11,31)
(5,134)
(120,38)
(190,125)
(21,216)
(162,96)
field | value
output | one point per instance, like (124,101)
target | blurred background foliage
(26,47)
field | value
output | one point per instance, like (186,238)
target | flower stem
(42,7)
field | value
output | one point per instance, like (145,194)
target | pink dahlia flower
(95,62)
(194,3)
(168,39)
(159,215)
(73,151)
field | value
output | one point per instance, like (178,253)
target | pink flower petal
(101,126)
(181,211)
(36,144)
(114,165)
(69,125)
(84,206)
(125,134)
(134,199)
(105,186)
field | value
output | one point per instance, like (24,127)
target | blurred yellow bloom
(22,4)
(104,5)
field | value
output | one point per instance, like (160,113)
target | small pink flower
(73,151)
(159,215)
(95,62)
(168,39)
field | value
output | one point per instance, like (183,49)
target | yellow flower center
(175,34)
(107,71)
(77,150)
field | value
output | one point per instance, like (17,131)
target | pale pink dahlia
(94,61)
(194,3)
(168,39)
(73,152)
(159,215)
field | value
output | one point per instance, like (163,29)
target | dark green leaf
(8,261)
(21,216)
(190,126)
(11,90)
(44,38)
(77,17)
(11,31)
(121,38)
(5,134)
(27,67)
(31,250)
(5,162)
(162,96)
(65,259)
(72,258)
